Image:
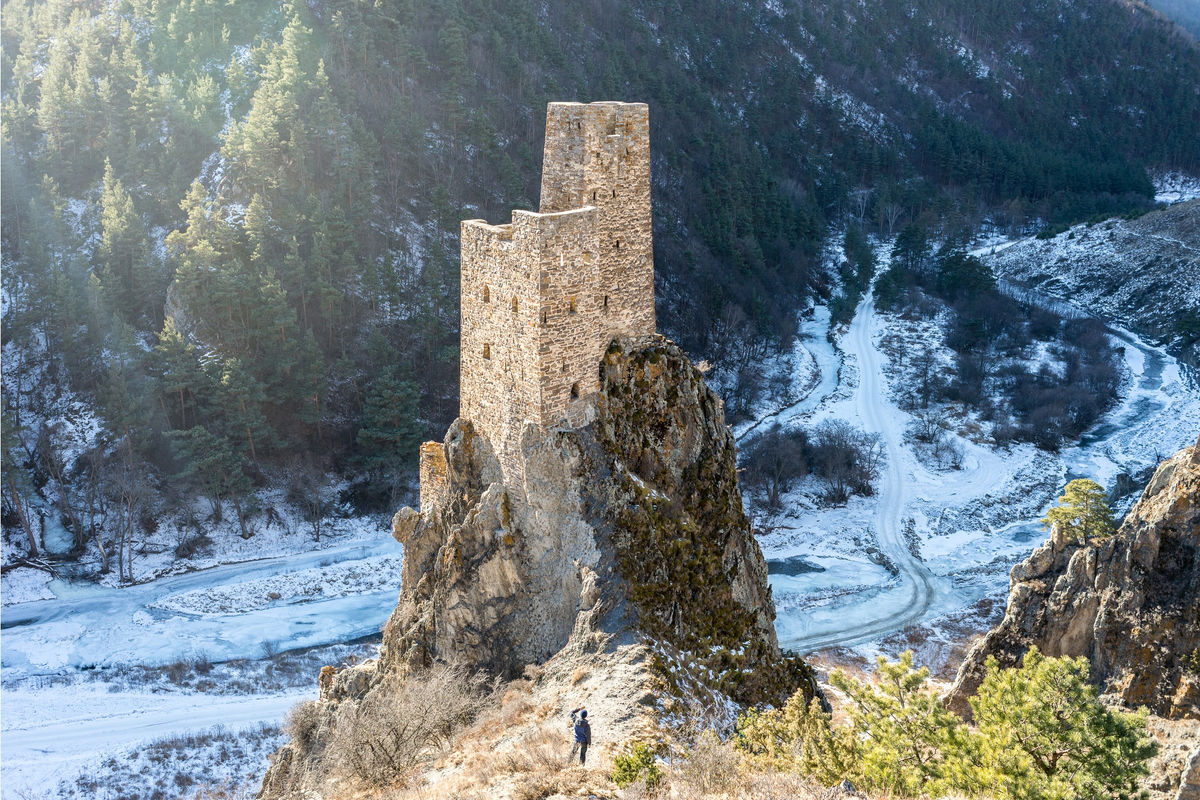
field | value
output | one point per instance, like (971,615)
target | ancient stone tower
(544,295)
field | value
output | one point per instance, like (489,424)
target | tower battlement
(544,295)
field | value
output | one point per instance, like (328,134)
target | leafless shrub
(711,766)
(847,458)
(302,723)
(398,725)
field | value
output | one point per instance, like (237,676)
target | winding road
(877,415)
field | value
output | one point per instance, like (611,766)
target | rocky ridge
(1130,604)
(621,573)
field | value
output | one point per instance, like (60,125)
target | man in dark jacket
(583,734)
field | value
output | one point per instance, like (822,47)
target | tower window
(574,391)
(614,192)
(514,305)
(617,244)
(593,195)
(487,351)
(606,301)
(571,303)
(487,294)
(544,316)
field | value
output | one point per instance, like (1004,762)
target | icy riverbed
(949,537)
(58,725)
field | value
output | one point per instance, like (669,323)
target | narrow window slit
(575,391)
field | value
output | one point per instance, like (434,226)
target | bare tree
(773,462)
(889,215)
(129,493)
(847,458)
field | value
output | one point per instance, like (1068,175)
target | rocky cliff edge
(621,573)
(1129,603)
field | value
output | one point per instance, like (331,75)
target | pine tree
(175,363)
(1043,732)
(214,466)
(798,737)
(391,431)
(240,398)
(908,740)
(1082,512)
(123,259)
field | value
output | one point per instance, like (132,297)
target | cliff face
(1130,604)
(624,549)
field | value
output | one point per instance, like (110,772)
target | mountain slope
(230,231)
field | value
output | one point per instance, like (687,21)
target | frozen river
(966,526)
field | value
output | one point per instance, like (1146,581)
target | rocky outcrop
(624,544)
(1129,603)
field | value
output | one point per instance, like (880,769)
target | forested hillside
(230,228)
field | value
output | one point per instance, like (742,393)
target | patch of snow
(24,585)
(1175,187)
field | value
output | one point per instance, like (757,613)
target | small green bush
(637,764)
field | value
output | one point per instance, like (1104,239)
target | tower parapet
(544,295)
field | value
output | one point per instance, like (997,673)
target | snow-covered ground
(815,365)
(947,537)
(1140,273)
(57,726)
(50,738)
(1175,187)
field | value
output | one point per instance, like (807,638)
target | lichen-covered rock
(624,548)
(1129,603)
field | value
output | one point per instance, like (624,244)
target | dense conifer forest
(230,228)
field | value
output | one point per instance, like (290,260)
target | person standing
(583,734)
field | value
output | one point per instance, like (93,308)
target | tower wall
(528,326)
(599,154)
(542,296)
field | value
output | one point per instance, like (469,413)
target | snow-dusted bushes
(843,457)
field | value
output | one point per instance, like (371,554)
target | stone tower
(543,296)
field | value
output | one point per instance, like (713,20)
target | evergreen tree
(123,259)
(908,740)
(390,431)
(799,737)
(1044,733)
(214,467)
(1082,512)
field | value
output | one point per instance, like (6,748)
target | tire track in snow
(875,416)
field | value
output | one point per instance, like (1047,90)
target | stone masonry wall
(542,296)
(599,154)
